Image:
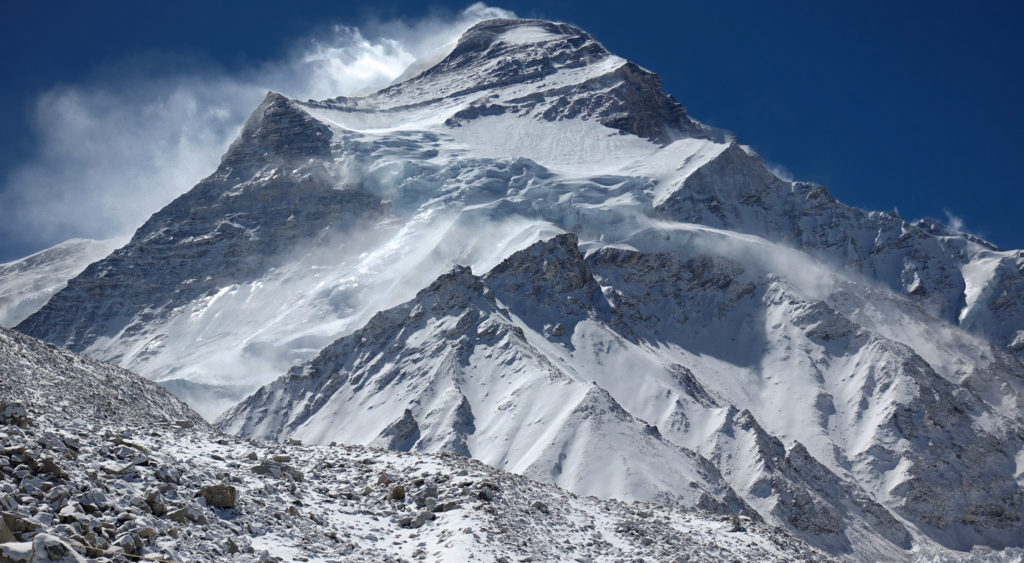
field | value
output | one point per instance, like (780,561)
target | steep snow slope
(884,454)
(149,479)
(751,313)
(26,284)
(479,389)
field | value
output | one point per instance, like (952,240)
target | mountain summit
(551,71)
(526,253)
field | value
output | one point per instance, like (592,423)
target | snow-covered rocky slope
(154,481)
(26,284)
(846,374)
(610,373)
(42,377)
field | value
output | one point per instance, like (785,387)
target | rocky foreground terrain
(159,484)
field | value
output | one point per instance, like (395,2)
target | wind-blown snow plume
(111,152)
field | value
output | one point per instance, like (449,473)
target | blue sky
(108,108)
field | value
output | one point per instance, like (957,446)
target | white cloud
(109,154)
(955,223)
(780,171)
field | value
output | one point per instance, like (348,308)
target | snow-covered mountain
(26,284)
(556,365)
(709,334)
(99,464)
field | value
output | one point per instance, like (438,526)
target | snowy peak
(562,269)
(277,130)
(471,364)
(549,285)
(462,368)
(548,71)
(794,489)
(520,50)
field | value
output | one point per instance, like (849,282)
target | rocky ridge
(468,346)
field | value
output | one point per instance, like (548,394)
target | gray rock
(14,414)
(190,513)
(94,502)
(422,518)
(168,475)
(138,503)
(6,535)
(446,506)
(49,465)
(421,496)
(279,470)
(397,492)
(15,552)
(19,524)
(46,547)
(156,502)
(220,495)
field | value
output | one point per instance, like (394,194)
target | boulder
(190,513)
(279,470)
(421,519)
(19,524)
(14,414)
(42,549)
(397,492)
(49,465)
(46,547)
(6,535)
(16,552)
(156,502)
(446,506)
(220,495)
